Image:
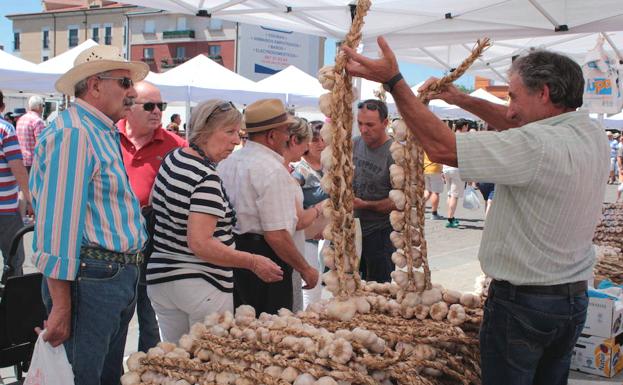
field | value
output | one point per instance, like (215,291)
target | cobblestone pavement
(453,258)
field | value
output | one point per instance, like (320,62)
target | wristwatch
(389,85)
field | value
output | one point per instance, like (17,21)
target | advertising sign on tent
(265,51)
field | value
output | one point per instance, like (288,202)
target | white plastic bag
(602,88)
(49,365)
(470,199)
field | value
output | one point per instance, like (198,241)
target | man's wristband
(391,83)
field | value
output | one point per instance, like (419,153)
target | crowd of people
(129,215)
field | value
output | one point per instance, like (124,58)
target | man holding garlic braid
(535,246)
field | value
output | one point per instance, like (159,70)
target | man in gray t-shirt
(371,185)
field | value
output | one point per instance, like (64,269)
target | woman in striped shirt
(189,274)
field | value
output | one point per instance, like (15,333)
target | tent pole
(543,12)
(614,47)
(435,58)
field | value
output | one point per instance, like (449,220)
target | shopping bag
(602,82)
(470,199)
(49,365)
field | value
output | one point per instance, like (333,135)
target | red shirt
(142,166)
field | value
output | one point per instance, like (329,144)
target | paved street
(454,264)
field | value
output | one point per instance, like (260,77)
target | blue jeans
(102,303)
(376,256)
(528,338)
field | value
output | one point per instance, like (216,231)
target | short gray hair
(201,128)
(561,74)
(34,102)
(82,86)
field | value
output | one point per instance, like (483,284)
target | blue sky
(412,72)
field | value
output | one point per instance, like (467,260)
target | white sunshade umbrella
(301,88)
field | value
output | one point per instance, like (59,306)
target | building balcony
(179,34)
(148,60)
(179,60)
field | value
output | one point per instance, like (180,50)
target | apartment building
(164,40)
(63,25)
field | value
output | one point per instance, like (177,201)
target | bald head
(145,116)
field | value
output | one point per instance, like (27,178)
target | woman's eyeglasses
(150,106)
(124,82)
(221,107)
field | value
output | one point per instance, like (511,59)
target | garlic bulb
(225,378)
(241,381)
(326,132)
(326,380)
(362,304)
(398,152)
(341,310)
(470,300)
(424,352)
(187,342)
(134,361)
(327,233)
(331,280)
(326,77)
(412,299)
(305,379)
(397,176)
(399,258)
(400,130)
(456,314)
(326,158)
(326,184)
(378,346)
(398,197)
(400,277)
(397,239)
(420,280)
(421,311)
(155,352)
(289,374)
(197,330)
(130,378)
(439,311)
(407,312)
(166,346)
(274,371)
(325,104)
(451,296)
(340,350)
(431,296)
(397,220)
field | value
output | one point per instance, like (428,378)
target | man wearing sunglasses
(89,230)
(144,143)
(537,244)
(371,185)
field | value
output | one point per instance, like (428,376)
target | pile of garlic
(274,348)
(609,231)
(284,349)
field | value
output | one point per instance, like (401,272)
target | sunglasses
(150,106)
(124,82)
(374,106)
(226,106)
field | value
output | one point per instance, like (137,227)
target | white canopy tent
(19,75)
(301,89)
(614,121)
(65,61)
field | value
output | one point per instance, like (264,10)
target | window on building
(108,34)
(95,33)
(150,26)
(73,37)
(180,52)
(45,43)
(215,25)
(148,53)
(45,58)
(16,41)
(181,23)
(214,50)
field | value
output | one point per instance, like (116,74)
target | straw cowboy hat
(95,60)
(266,114)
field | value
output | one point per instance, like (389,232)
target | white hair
(35,102)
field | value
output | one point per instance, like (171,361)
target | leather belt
(571,289)
(250,236)
(111,256)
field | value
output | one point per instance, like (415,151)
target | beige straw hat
(95,60)
(266,114)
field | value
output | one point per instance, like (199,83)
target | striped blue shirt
(80,192)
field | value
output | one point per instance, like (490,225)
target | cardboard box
(598,355)
(604,318)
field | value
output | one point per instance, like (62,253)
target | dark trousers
(148,330)
(376,256)
(250,290)
(528,338)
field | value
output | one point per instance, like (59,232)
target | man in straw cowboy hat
(89,230)
(258,186)
(549,163)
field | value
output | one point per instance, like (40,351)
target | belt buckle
(139,258)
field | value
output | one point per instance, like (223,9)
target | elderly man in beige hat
(258,186)
(89,230)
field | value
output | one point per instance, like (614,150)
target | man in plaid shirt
(28,128)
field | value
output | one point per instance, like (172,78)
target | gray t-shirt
(371,182)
